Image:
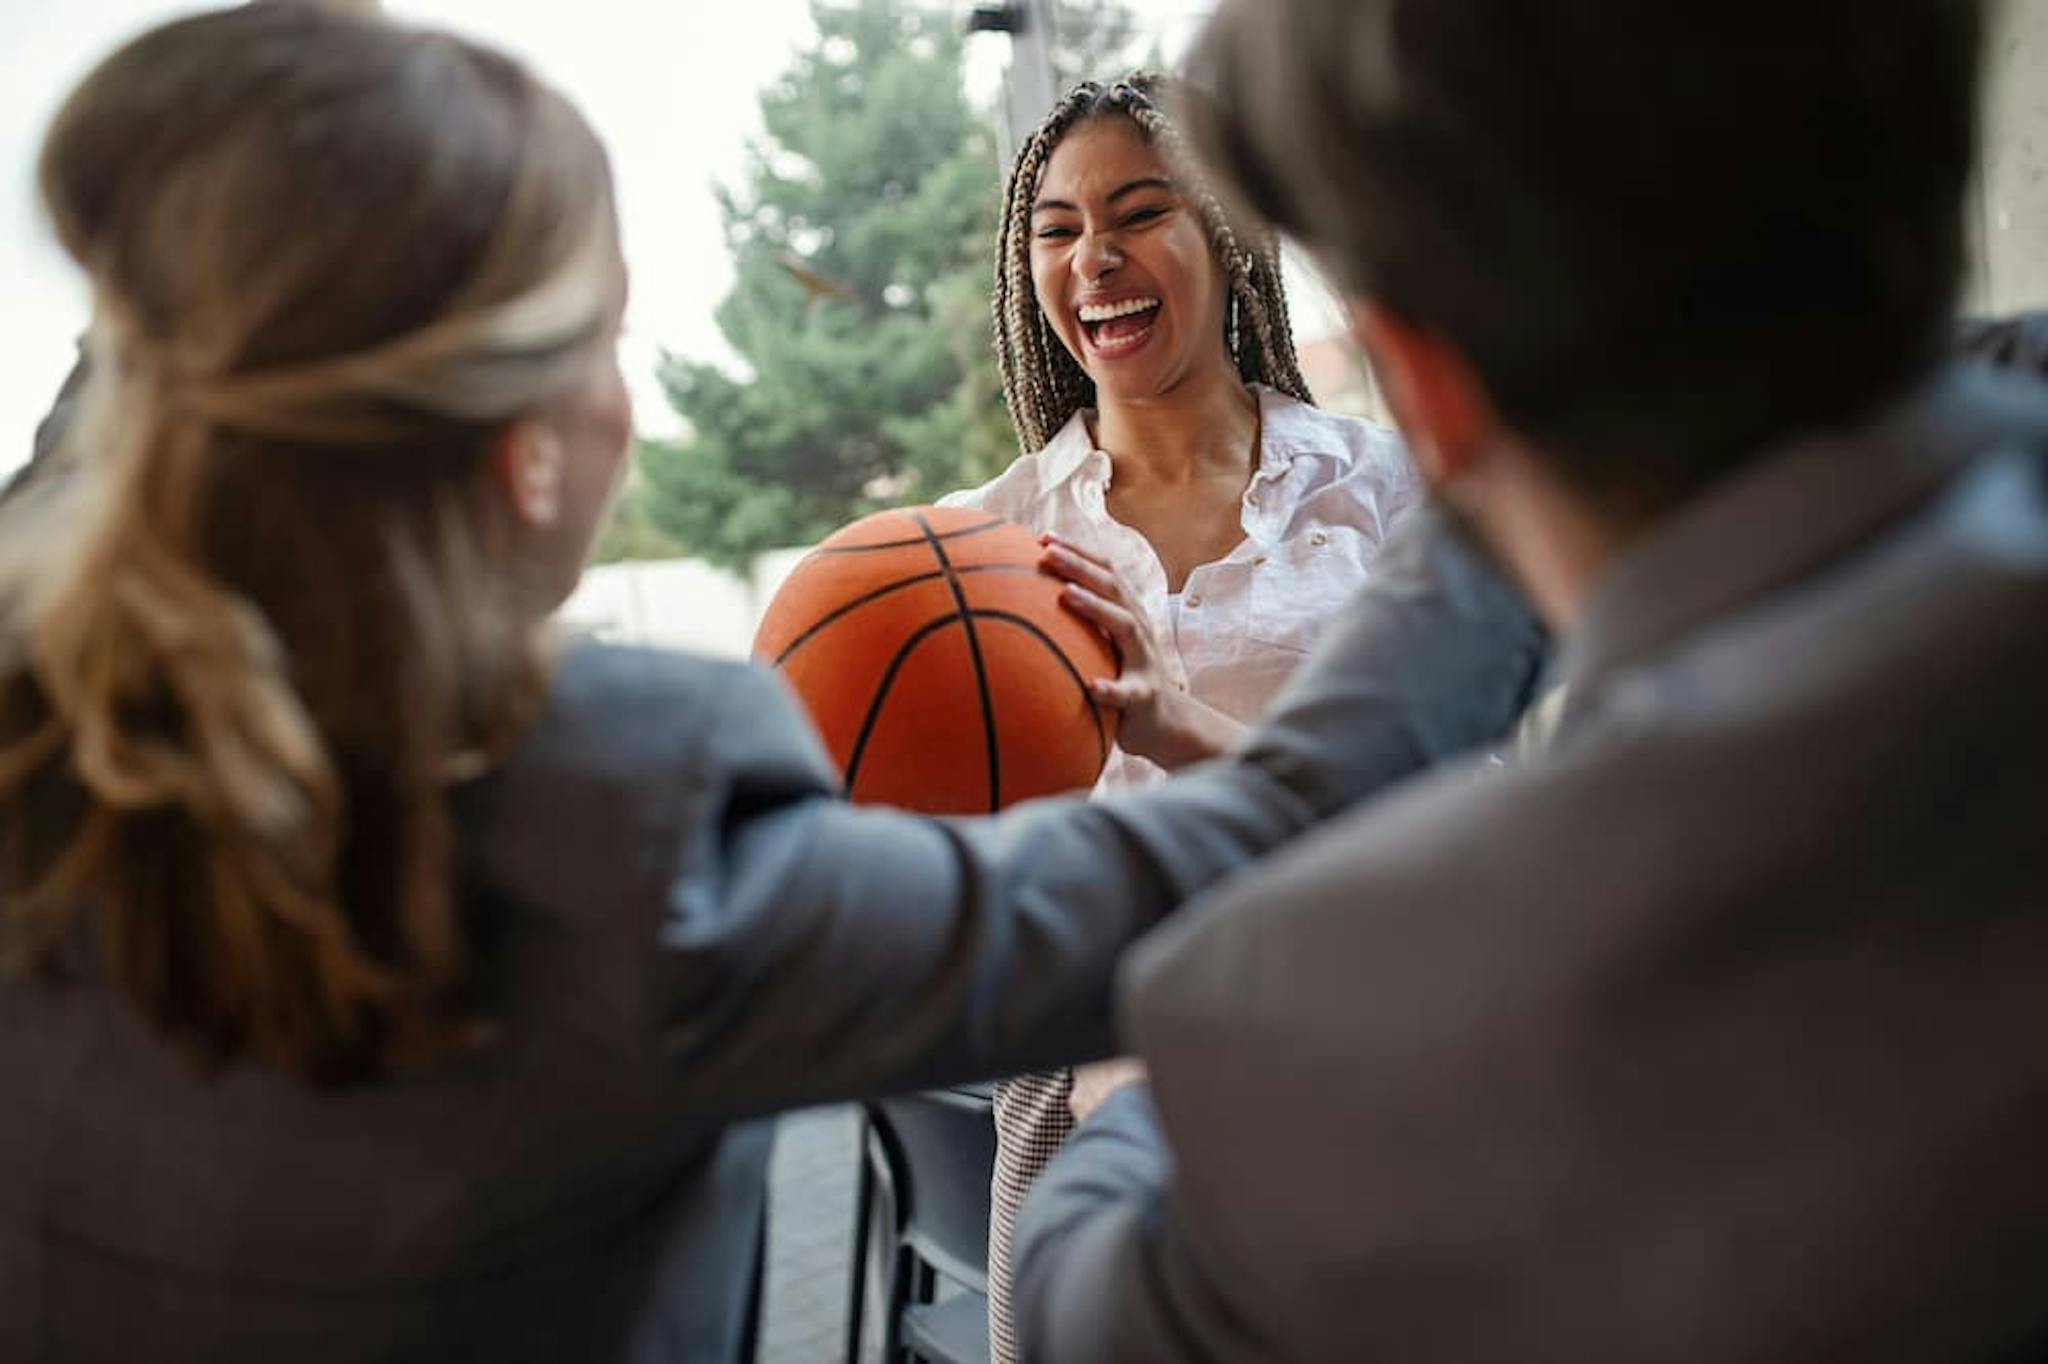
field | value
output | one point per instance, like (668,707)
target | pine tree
(863,215)
(1096,40)
(862,237)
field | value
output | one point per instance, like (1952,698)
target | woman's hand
(1160,721)
(1095,1083)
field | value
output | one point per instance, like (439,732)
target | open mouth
(1119,328)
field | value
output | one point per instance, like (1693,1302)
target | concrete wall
(2012,264)
(669,604)
(678,603)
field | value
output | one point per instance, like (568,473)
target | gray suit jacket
(683,928)
(1715,1033)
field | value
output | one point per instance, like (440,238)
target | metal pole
(1030,85)
(1033,86)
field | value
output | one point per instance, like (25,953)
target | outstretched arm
(816,951)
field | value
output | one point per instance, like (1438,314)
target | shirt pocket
(1301,584)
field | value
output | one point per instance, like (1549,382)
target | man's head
(1657,239)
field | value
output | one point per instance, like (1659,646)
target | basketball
(938,665)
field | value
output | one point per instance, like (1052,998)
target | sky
(669,84)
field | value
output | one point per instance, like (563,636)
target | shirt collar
(1784,516)
(1068,451)
(1289,429)
(1293,429)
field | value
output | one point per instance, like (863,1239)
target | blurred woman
(1210,519)
(382,979)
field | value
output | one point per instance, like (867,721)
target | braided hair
(1043,385)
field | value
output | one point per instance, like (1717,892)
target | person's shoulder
(592,792)
(1340,1021)
(1014,488)
(1030,478)
(1349,450)
(595,677)
(1780,761)
(1724,759)
(1352,977)
(1345,470)
(629,742)
(1302,427)
(628,707)
(1283,942)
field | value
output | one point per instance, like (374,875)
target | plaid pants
(1032,1120)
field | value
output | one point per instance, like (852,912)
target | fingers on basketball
(940,665)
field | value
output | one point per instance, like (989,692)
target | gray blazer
(1715,1033)
(684,928)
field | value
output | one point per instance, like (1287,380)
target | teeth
(1106,312)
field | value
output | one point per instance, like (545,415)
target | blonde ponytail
(252,630)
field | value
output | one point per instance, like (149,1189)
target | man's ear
(1432,390)
(527,463)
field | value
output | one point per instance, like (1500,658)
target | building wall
(669,604)
(678,603)
(2012,265)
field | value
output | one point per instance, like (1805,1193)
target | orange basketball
(938,664)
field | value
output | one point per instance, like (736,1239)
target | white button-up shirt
(1325,494)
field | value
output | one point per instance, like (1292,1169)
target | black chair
(926,1159)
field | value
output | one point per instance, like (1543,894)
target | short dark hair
(1666,236)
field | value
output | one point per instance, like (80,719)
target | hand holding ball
(938,664)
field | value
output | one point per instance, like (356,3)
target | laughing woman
(1209,517)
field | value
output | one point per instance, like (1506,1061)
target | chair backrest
(941,1149)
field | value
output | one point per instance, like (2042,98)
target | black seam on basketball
(1026,623)
(988,710)
(867,724)
(850,607)
(926,538)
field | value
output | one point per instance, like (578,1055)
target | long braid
(1043,385)
(1268,355)
(1039,377)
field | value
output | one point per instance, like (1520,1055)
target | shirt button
(1252,498)
(1317,539)
(1195,600)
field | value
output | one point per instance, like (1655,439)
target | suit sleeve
(816,951)
(1098,1277)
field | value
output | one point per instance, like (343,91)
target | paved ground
(810,1237)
